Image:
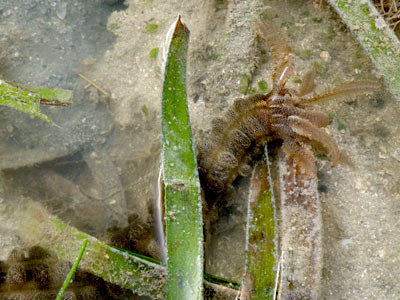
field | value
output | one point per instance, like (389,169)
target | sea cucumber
(282,114)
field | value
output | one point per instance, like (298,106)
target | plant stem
(72,272)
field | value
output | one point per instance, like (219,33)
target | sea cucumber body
(229,151)
(236,138)
(283,114)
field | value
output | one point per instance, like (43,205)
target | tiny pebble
(346,242)
(325,56)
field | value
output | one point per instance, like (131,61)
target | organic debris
(390,10)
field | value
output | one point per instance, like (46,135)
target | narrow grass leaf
(29,98)
(72,272)
(261,255)
(183,212)
(376,37)
(300,231)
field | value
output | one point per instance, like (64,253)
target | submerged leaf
(261,261)
(300,231)
(29,98)
(375,36)
(183,211)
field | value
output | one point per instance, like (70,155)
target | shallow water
(105,155)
